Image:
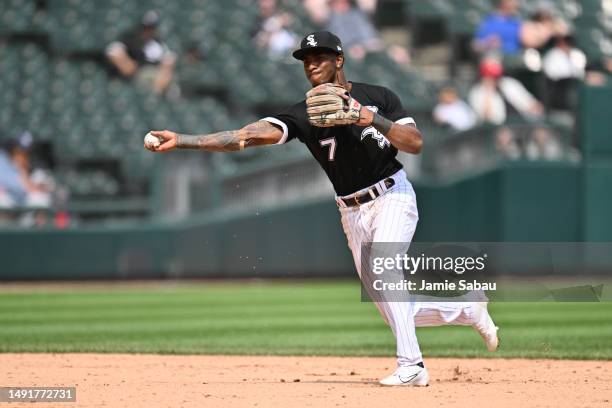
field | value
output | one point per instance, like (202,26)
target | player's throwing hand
(167,138)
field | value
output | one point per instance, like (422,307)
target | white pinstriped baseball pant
(393,217)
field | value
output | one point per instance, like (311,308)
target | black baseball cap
(319,40)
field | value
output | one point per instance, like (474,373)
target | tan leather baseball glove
(330,105)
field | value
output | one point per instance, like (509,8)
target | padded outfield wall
(520,202)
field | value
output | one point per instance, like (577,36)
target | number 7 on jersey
(331,142)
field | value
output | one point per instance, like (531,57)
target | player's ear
(339,61)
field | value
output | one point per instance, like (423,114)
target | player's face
(320,67)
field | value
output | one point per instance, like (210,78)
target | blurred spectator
(140,54)
(272,30)
(505,32)
(452,111)
(195,74)
(564,66)
(367,6)
(358,34)
(495,94)
(319,10)
(19,184)
(506,143)
(354,29)
(12,188)
(543,26)
(501,30)
(267,9)
(543,145)
(192,63)
(196,53)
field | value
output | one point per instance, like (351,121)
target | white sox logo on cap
(311,40)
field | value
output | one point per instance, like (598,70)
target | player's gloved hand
(330,105)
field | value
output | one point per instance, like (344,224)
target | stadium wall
(520,202)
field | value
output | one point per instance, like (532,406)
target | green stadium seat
(593,37)
(591,6)
(17,16)
(432,9)
(466,19)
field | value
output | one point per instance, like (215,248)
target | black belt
(368,196)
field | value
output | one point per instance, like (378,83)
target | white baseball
(151,141)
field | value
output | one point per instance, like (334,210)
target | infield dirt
(111,380)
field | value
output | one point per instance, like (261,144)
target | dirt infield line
(112,380)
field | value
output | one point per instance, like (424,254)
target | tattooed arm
(255,134)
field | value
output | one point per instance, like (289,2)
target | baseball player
(354,130)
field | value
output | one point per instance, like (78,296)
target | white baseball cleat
(415,376)
(485,326)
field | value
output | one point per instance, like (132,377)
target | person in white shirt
(564,66)
(564,61)
(272,30)
(140,54)
(453,112)
(495,93)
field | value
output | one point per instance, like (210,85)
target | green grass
(289,318)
